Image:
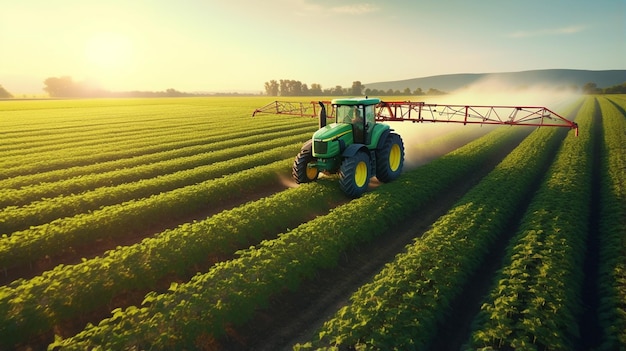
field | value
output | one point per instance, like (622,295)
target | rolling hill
(559,78)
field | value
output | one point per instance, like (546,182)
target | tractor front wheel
(301,171)
(390,158)
(354,174)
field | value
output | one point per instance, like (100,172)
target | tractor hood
(332,132)
(331,140)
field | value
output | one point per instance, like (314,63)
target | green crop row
(30,123)
(535,301)
(216,164)
(33,306)
(231,290)
(114,133)
(613,226)
(189,146)
(131,216)
(75,122)
(119,135)
(111,137)
(400,308)
(69,157)
(76,185)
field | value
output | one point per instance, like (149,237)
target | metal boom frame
(420,112)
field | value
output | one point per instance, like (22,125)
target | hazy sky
(238,45)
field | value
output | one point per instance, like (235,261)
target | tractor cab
(360,114)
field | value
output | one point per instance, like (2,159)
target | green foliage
(613,224)
(401,306)
(99,169)
(535,301)
(72,289)
(211,165)
(232,290)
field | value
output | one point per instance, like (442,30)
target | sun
(108,50)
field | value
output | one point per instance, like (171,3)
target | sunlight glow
(108,50)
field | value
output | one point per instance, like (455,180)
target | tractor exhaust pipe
(322,115)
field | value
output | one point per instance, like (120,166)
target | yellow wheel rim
(311,172)
(360,174)
(394,157)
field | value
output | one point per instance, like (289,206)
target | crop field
(174,224)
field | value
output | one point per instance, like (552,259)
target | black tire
(354,174)
(300,171)
(390,158)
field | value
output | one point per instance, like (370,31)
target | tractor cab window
(370,115)
(354,115)
(350,114)
(370,120)
(345,114)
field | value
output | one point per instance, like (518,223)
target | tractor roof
(356,101)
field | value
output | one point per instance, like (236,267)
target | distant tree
(295,88)
(283,87)
(616,89)
(61,87)
(66,87)
(174,93)
(357,88)
(407,91)
(433,91)
(290,87)
(418,91)
(591,88)
(4,94)
(271,88)
(316,89)
(338,90)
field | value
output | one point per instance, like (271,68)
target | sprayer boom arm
(303,109)
(420,112)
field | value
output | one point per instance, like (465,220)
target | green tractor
(355,146)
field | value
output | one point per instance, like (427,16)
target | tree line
(66,87)
(290,87)
(592,88)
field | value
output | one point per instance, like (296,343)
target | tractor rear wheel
(390,158)
(301,171)
(354,174)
